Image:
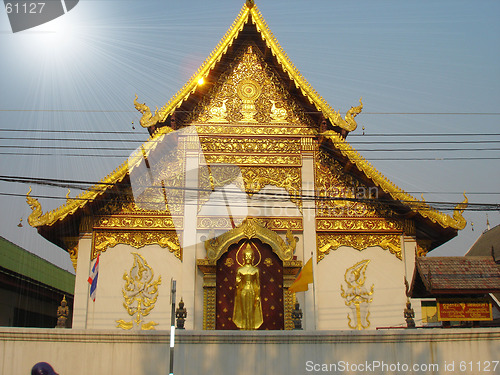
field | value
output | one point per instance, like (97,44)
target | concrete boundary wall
(424,351)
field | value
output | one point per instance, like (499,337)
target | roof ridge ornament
(250,4)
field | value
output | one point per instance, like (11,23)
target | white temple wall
(384,271)
(111,352)
(113,264)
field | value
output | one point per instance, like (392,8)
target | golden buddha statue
(247,312)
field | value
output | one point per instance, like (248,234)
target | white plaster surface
(80,352)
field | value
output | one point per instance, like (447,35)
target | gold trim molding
(359,241)
(254,160)
(250,146)
(102,240)
(251,228)
(254,130)
(139,222)
(371,225)
(272,223)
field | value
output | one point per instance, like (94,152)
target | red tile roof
(455,275)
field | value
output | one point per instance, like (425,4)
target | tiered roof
(250,24)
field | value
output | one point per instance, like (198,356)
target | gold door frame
(249,229)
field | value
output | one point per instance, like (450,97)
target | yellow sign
(464,310)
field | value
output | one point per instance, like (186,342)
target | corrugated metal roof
(22,262)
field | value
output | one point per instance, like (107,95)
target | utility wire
(139,133)
(122,157)
(190,111)
(375,142)
(234,195)
(128,149)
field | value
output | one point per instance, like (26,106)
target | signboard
(464,310)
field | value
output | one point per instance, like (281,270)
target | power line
(181,111)
(366,135)
(233,196)
(123,157)
(486,141)
(99,148)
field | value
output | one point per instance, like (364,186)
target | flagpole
(172,327)
(316,310)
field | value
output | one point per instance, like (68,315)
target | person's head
(43,368)
(248,255)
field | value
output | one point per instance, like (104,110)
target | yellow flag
(304,279)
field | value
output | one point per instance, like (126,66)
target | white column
(81,298)
(309,302)
(186,287)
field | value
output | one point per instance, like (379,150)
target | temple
(247,174)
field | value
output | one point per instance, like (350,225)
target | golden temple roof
(249,13)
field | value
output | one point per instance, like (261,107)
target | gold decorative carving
(140,294)
(209,292)
(358,241)
(251,228)
(272,223)
(209,298)
(360,225)
(249,92)
(423,247)
(420,206)
(256,160)
(278,114)
(357,295)
(218,112)
(254,179)
(244,145)
(106,239)
(289,303)
(164,179)
(138,222)
(71,244)
(308,144)
(341,195)
(254,130)
(289,178)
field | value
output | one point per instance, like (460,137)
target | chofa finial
(250,3)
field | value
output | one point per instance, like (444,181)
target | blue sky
(422,67)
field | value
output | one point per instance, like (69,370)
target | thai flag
(93,278)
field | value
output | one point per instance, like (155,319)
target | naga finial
(147,119)
(36,207)
(352,113)
(458,220)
